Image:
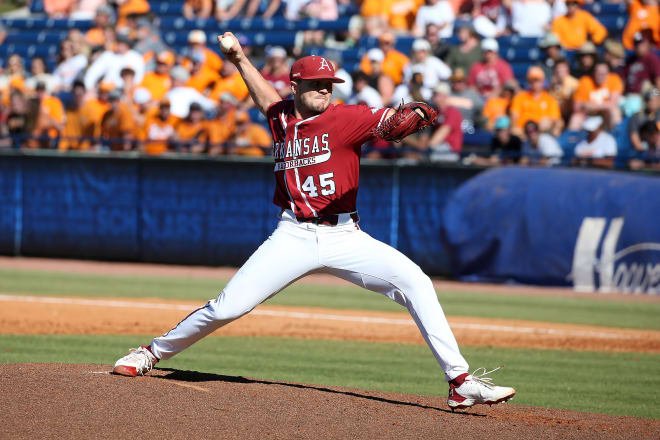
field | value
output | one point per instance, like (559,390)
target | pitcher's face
(313,95)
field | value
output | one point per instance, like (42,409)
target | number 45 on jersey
(326,183)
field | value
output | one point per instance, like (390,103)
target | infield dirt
(83,401)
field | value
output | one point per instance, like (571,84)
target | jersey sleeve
(356,122)
(275,114)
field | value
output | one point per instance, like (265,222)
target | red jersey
(317,160)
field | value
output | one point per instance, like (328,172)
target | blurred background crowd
(515,81)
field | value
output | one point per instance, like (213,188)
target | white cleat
(477,389)
(138,362)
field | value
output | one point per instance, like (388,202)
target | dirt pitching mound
(84,401)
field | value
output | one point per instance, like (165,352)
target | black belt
(327,219)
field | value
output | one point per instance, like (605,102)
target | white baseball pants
(296,249)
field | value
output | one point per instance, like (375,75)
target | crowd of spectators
(119,87)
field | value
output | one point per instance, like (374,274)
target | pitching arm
(262,92)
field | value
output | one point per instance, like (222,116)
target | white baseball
(227,43)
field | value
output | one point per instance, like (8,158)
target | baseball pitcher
(316,148)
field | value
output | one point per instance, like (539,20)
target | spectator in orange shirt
(392,64)
(396,14)
(92,113)
(574,28)
(231,82)
(73,126)
(197,9)
(642,15)
(250,139)
(117,124)
(223,127)
(129,11)
(197,43)
(536,105)
(498,106)
(598,93)
(192,132)
(50,119)
(104,19)
(202,78)
(159,130)
(159,82)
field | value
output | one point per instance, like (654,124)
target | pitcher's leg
(287,255)
(376,266)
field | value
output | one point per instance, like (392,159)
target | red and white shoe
(473,389)
(138,362)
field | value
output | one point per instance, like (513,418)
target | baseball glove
(406,120)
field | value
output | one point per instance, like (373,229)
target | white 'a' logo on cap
(324,65)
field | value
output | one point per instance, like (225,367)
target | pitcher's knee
(418,285)
(223,309)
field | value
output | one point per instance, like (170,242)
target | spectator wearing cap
(117,124)
(50,119)
(181,96)
(432,68)
(506,147)
(197,9)
(599,148)
(223,126)
(649,113)
(393,60)
(468,52)
(642,15)
(489,75)
(642,68)
(73,122)
(69,65)
(562,87)
(552,51)
(192,133)
(158,82)
(597,93)
(438,13)
(202,78)
(587,57)
(577,27)
(530,18)
(498,105)
(276,70)
(446,141)
(40,75)
(539,148)
(466,100)
(536,104)
(93,110)
(103,20)
(377,78)
(197,44)
(614,55)
(58,8)
(250,139)
(159,130)
(109,64)
(130,10)
(230,81)
(142,107)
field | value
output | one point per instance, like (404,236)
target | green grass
(625,314)
(611,383)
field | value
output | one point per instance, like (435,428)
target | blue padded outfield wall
(596,230)
(195,211)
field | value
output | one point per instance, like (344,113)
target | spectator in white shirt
(70,65)
(364,93)
(180,96)
(433,69)
(531,18)
(109,64)
(438,12)
(599,148)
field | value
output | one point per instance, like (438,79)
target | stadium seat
(614,23)
(46,23)
(601,8)
(37,7)
(521,54)
(163,9)
(517,41)
(35,37)
(480,138)
(568,140)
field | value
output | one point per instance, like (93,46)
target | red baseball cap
(313,67)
